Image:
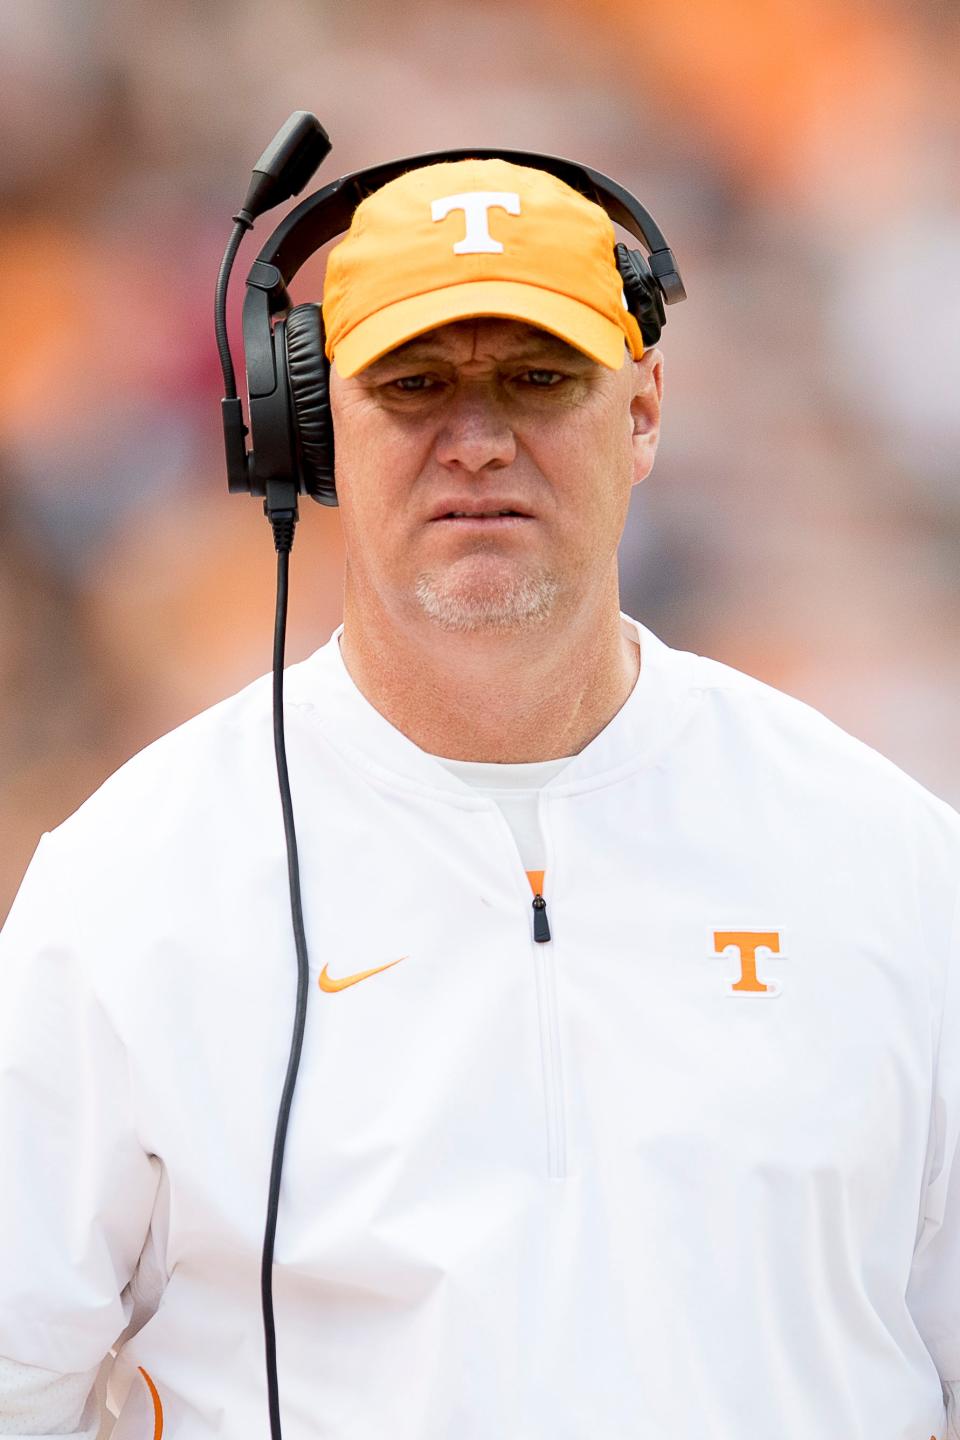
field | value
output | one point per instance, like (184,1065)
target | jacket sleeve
(77,1188)
(933,1294)
(34,1401)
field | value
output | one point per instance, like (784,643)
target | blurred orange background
(803,518)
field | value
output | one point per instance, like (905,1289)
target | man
(630,1093)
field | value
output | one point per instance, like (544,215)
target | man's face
(482,416)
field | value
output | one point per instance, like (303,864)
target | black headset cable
(283,538)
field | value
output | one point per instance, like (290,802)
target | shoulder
(795,749)
(182,780)
(211,781)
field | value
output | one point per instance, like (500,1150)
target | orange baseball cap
(475,237)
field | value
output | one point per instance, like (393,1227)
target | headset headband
(328,212)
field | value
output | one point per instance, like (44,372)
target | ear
(645,411)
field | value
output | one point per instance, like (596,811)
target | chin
(477,603)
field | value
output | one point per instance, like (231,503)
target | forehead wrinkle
(530,339)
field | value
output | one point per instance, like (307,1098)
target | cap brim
(582,327)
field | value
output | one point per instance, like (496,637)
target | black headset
(291,429)
(287,368)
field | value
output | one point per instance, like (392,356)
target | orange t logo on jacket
(747,943)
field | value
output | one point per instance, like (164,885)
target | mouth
(493,518)
(499,517)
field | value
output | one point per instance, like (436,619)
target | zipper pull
(541,928)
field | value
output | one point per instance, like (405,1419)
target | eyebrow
(536,343)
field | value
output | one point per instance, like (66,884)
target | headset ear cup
(308,374)
(642,290)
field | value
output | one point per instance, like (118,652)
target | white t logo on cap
(475,204)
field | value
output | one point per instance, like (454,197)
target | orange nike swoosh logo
(328,983)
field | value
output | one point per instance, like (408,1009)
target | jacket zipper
(541,925)
(543,959)
(544,964)
(543,969)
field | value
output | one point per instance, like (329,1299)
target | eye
(542,379)
(411,384)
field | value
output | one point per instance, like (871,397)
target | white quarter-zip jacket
(687,1168)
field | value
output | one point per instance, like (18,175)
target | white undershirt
(515,789)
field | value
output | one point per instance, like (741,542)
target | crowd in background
(803,519)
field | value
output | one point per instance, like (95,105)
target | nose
(476,434)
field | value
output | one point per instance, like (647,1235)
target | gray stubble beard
(522,602)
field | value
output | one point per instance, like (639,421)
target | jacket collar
(661,702)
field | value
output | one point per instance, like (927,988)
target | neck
(535,695)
